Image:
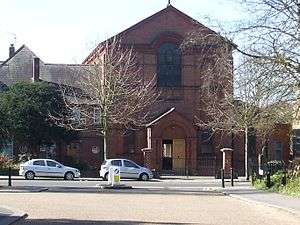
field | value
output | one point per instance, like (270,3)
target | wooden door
(179,155)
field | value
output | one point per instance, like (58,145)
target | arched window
(168,65)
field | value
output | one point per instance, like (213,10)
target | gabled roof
(18,68)
(166,10)
(16,52)
(160,117)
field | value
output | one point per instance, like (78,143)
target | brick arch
(173,131)
(166,37)
(185,129)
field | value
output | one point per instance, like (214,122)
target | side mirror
(58,166)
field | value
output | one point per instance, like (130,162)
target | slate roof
(19,68)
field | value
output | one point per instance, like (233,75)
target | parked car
(47,168)
(128,169)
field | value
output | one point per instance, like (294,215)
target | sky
(65,31)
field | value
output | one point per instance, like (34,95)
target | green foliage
(26,108)
(276,181)
(293,187)
(260,184)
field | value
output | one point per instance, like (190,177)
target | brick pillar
(147,157)
(227,161)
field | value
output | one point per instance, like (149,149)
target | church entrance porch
(171,138)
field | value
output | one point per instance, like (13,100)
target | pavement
(9,216)
(250,194)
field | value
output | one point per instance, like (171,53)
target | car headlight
(77,171)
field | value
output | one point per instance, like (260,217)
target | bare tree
(109,92)
(272,34)
(249,97)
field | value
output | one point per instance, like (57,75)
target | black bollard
(253,177)
(231,176)
(9,176)
(268,179)
(222,177)
(283,180)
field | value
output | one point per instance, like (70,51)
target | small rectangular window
(205,144)
(96,116)
(77,117)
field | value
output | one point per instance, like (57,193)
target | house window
(278,150)
(168,65)
(77,117)
(129,140)
(96,116)
(205,145)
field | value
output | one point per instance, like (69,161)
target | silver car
(47,168)
(128,169)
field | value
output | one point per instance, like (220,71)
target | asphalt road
(196,186)
(81,183)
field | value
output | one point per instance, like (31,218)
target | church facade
(171,141)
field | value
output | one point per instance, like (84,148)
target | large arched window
(168,65)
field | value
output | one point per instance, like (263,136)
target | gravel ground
(113,208)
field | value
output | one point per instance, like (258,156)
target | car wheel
(69,176)
(144,177)
(105,177)
(29,175)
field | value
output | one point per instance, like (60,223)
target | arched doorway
(174,149)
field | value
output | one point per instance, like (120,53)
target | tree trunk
(246,153)
(104,145)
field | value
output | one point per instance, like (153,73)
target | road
(57,185)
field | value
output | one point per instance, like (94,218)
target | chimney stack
(11,50)
(36,70)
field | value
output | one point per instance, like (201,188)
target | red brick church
(171,142)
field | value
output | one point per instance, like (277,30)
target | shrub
(276,180)
(260,184)
(292,187)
